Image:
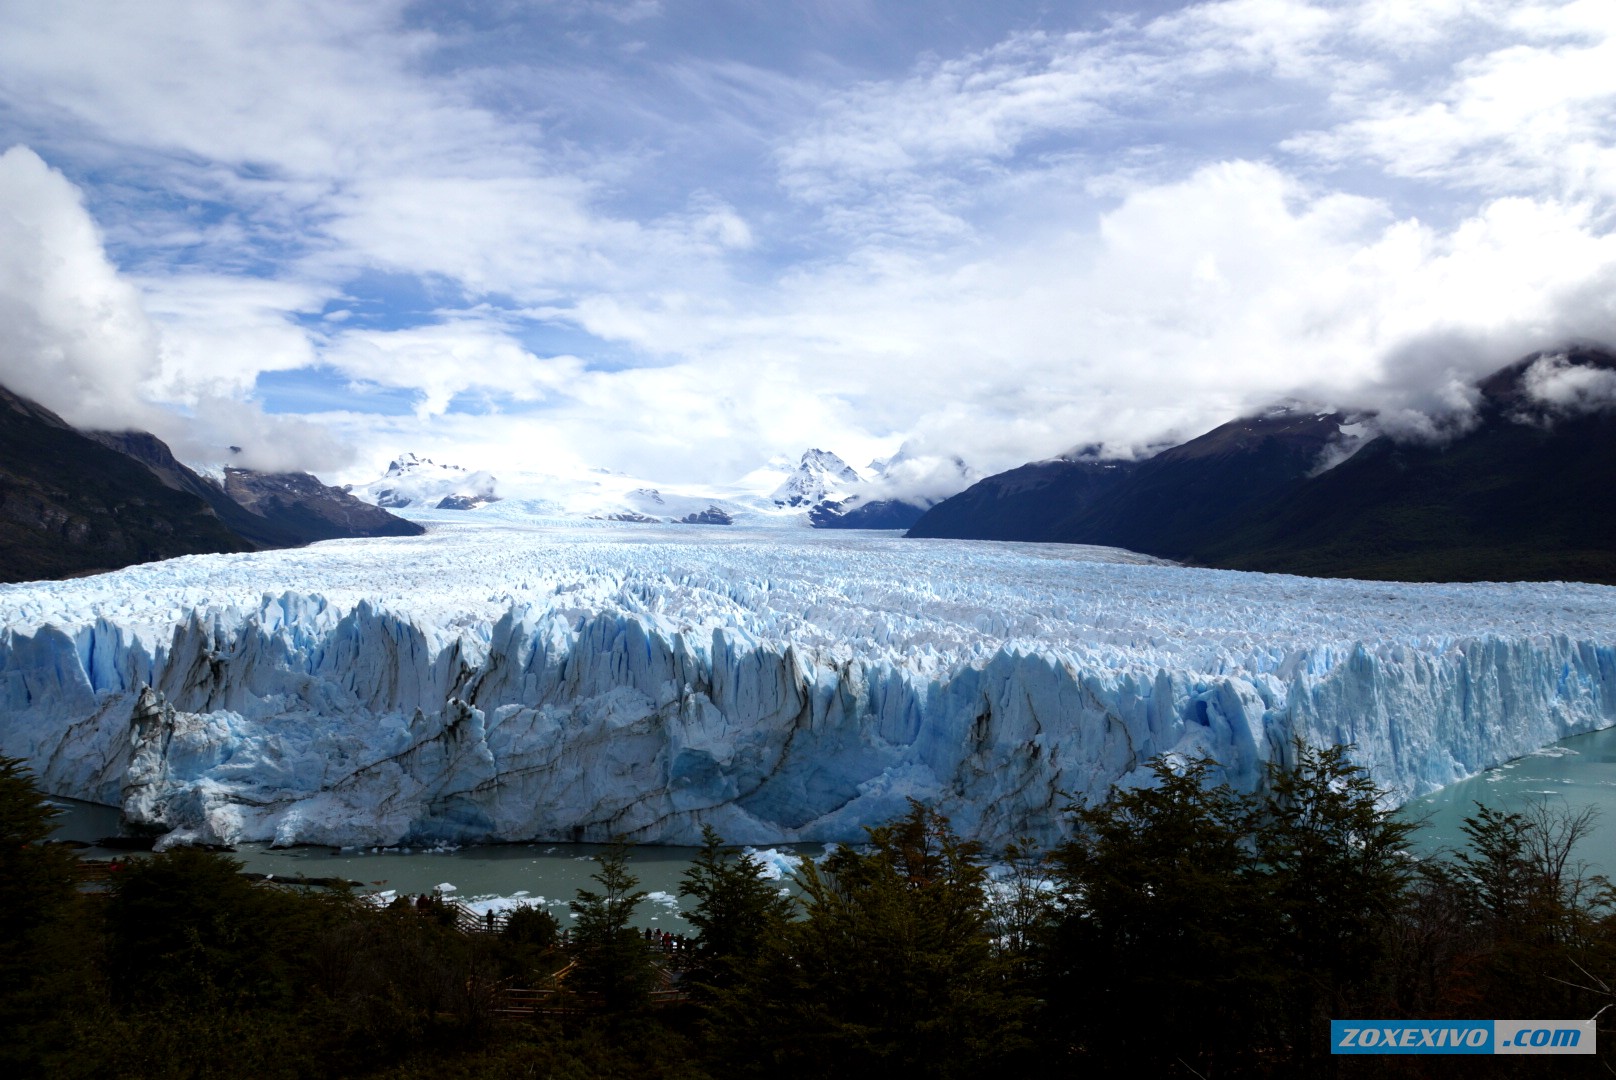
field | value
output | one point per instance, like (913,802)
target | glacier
(499,679)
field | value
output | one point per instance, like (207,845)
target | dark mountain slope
(1170,504)
(69,505)
(298,505)
(152,452)
(880,514)
(75,503)
(1027,503)
(1507,501)
(270,510)
(1164,505)
(1528,493)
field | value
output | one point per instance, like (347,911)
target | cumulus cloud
(73,335)
(446,359)
(76,336)
(220,332)
(227,431)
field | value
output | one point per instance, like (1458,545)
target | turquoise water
(1572,774)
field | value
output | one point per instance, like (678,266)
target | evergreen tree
(738,909)
(36,903)
(1338,868)
(612,958)
(187,929)
(1162,916)
(892,970)
(531,927)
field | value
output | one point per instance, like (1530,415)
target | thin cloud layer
(578,235)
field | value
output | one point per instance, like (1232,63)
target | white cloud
(1522,115)
(1110,230)
(73,335)
(76,337)
(447,359)
(227,431)
(1187,303)
(1570,389)
(219,333)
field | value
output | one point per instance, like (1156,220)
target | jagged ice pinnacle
(503,681)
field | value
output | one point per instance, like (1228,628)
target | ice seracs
(496,680)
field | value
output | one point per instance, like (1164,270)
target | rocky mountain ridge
(74,502)
(1522,488)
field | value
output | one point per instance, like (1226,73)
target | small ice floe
(446,887)
(481,906)
(776,864)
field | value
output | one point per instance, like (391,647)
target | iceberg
(495,680)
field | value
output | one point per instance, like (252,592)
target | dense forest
(1185,930)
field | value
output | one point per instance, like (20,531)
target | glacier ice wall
(781,690)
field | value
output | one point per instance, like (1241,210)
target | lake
(1573,773)
(482,877)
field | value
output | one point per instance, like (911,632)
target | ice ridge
(780,694)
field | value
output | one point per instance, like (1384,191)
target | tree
(1018,902)
(1536,915)
(1338,868)
(36,882)
(1161,913)
(532,927)
(186,929)
(612,959)
(36,900)
(738,909)
(892,969)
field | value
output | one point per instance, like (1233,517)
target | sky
(677,238)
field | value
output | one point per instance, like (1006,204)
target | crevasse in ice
(495,680)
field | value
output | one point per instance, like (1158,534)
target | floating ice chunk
(776,864)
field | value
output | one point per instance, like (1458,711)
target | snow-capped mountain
(420,482)
(899,491)
(820,475)
(819,490)
(497,681)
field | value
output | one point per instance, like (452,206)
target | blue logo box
(1411,1036)
(1463,1037)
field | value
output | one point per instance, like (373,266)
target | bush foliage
(1185,929)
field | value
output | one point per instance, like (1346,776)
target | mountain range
(1524,489)
(819,490)
(75,502)
(1521,487)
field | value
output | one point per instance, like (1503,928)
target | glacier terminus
(507,679)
